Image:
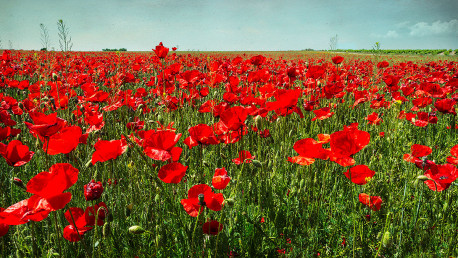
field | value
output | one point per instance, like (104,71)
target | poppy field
(174,154)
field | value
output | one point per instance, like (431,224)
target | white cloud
(437,27)
(389,34)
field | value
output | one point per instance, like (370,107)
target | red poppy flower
(337,59)
(454,158)
(36,208)
(3,227)
(45,125)
(308,149)
(6,132)
(322,113)
(161,51)
(212,227)
(74,231)
(51,185)
(244,157)
(192,205)
(172,173)
(417,151)
(93,190)
(373,202)
(201,134)
(234,117)
(442,176)
(374,119)
(100,211)
(63,142)
(346,143)
(106,150)
(383,64)
(446,106)
(257,60)
(15,153)
(161,146)
(360,174)
(220,179)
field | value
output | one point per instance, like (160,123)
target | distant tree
(333,43)
(1,45)
(44,37)
(65,41)
(10,44)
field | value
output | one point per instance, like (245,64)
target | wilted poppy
(360,174)
(15,153)
(172,172)
(373,202)
(106,150)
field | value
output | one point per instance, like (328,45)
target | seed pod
(137,230)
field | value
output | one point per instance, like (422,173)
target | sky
(229,25)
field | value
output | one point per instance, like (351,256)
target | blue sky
(232,24)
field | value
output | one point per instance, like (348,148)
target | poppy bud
(258,121)
(386,238)
(93,190)
(423,178)
(54,76)
(18,182)
(137,230)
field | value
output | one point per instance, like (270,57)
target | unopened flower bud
(136,230)
(422,178)
(18,182)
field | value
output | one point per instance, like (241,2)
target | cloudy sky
(233,24)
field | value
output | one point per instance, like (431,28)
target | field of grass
(352,156)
